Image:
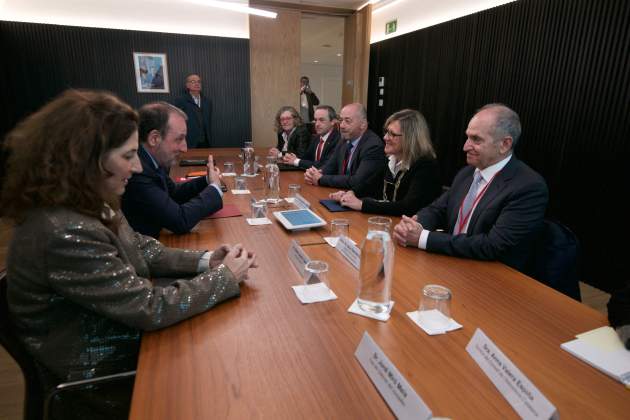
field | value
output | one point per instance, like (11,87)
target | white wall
(325,82)
(417,14)
(173,16)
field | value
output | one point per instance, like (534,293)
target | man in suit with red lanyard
(495,206)
(323,143)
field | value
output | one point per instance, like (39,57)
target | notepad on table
(228,210)
(334,206)
(602,349)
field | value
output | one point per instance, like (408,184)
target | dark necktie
(320,146)
(346,158)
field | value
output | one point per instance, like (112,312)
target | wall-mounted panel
(275,71)
(563,65)
(40,61)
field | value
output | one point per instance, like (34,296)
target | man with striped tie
(495,206)
(358,158)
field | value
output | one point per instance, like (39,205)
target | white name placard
(298,257)
(349,250)
(401,398)
(301,202)
(519,391)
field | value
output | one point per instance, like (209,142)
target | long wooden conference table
(266,355)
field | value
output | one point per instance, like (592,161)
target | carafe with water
(249,163)
(272,180)
(377,264)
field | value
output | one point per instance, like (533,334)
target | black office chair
(38,400)
(556,259)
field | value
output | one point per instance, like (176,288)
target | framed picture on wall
(151,72)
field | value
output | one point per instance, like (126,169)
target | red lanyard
(464,220)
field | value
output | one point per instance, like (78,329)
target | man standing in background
(197,107)
(308,101)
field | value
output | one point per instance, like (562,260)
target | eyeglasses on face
(286,118)
(194,82)
(390,133)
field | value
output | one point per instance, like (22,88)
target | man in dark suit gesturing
(495,206)
(152,201)
(358,158)
(323,143)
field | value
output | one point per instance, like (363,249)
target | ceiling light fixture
(385,6)
(368,2)
(236,7)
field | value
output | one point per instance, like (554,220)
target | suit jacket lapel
(291,139)
(499,182)
(342,145)
(149,168)
(355,155)
(328,144)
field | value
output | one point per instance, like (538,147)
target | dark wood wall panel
(39,61)
(564,66)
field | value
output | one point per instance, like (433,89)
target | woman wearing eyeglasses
(293,136)
(411,180)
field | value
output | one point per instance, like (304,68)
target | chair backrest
(34,392)
(556,262)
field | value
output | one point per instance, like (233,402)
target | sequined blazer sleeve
(88,264)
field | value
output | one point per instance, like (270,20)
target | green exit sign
(390,27)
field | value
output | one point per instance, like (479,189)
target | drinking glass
(339,227)
(259,209)
(436,297)
(316,272)
(240,183)
(294,189)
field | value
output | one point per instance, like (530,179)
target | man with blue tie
(495,206)
(152,201)
(358,158)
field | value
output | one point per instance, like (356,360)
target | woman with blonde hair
(411,179)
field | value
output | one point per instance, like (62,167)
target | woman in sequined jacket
(79,278)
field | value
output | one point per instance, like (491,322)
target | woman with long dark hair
(79,278)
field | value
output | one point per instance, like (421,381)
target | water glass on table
(240,183)
(294,189)
(259,209)
(436,297)
(316,272)
(339,227)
